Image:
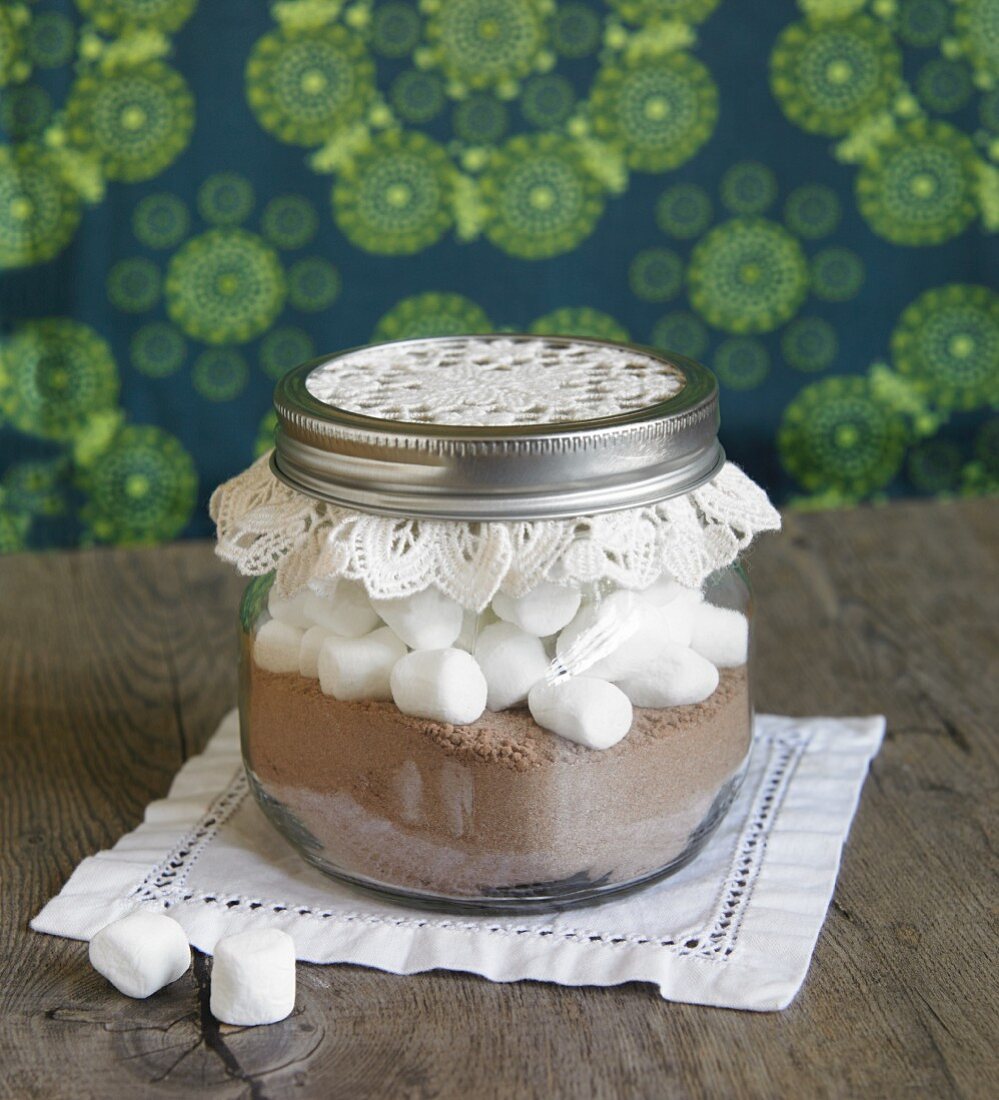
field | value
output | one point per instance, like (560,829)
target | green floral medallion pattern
(225,286)
(748,275)
(541,198)
(39,211)
(396,196)
(134,121)
(800,194)
(329,79)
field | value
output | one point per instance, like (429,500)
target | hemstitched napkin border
(764,883)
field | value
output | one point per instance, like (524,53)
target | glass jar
(495,666)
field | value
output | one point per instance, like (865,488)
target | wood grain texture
(116,665)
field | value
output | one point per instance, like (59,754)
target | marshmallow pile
(253,975)
(579,665)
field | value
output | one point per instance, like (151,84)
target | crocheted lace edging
(262,525)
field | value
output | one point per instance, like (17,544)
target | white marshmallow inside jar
(496,654)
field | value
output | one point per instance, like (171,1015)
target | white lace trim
(263,525)
(490,382)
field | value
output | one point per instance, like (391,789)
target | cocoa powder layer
(469,811)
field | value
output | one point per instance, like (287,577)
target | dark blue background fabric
(856,360)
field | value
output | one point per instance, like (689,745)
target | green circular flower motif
(225,198)
(395,197)
(304,84)
(540,198)
(748,275)
(988,110)
(121,15)
(138,119)
(809,344)
(224,286)
(576,30)
(837,274)
(25,111)
(977,25)
(283,348)
(922,23)
(134,285)
(142,489)
(161,221)
(943,85)
(39,211)
(682,333)
(947,343)
(432,314)
(828,76)
(486,43)
(480,120)
(581,321)
(37,488)
(395,29)
(547,101)
(417,96)
(289,221)
(658,110)
(51,39)
(921,187)
(748,188)
(55,375)
(812,211)
(836,436)
(220,374)
(264,443)
(645,11)
(313,284)
(684,211)
(656,274)
(741,363)
(158,350)
(934,467)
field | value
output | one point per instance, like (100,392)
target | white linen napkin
(735,928)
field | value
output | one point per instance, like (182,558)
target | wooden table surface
(115,666)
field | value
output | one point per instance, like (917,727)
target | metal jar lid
(554,469)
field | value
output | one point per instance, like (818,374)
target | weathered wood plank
(114,665)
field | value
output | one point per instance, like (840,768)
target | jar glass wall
(611,778)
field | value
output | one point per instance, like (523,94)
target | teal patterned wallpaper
(195,196)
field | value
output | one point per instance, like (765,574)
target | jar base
(575,892)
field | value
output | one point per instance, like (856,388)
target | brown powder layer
(466,811)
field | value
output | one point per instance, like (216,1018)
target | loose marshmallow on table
(678,678)
(140,953)
(253,977)
(276,646)
(512,661)
(583,709)
(425,620)
(359,668)
(308,654)
(347,612)
(292,610)
(721,635)
(445,685)
(543,611)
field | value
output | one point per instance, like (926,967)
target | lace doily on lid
(263,525)
(478,382)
